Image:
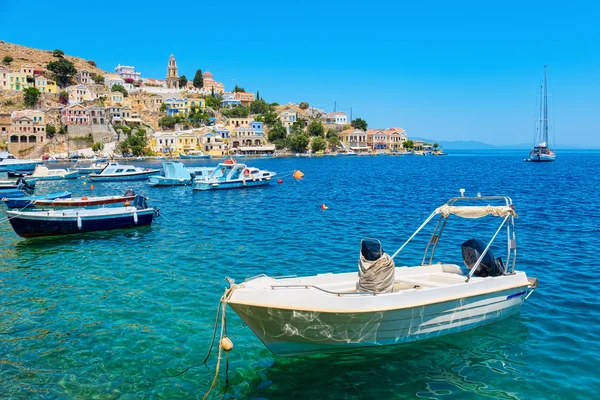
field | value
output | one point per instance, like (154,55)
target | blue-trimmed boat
(117,172)
(8,162)
(231,175)
(29,224)
(18,188)
(193,155)
(29,201)
(174,174)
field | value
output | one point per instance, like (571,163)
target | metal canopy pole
(487,248)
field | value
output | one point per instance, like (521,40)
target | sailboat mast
(545,108)
(538,135)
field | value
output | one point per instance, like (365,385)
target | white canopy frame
(506,211)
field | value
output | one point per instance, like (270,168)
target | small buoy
(84,182)
(280,181)
(84,198)
(91,187)
(324,207)
(298,174)
(127,204)
(226,344)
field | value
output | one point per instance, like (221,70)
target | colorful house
(4,78)
(354,139)
(186,142)
(213,144)
(377,139)
(176,106)
(245,98)
(197,104)
(45,85)
(28,128)
(288,118)
(336,118)
(397,137)
(232,123)
(230,100)
(18,81)
(75,114)
(257,126)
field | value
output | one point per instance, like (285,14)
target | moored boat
(385,304)
(94,168)
(231,175)
(117,172)
(42,173)
(174,174)
(30,224)
(29,201)
(193,154)
(8,162)
(18,188)
(542,152)
(88,202)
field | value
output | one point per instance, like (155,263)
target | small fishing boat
(94,168)
(384,304)
(8,162)
(88,202)
(30,224)
(231,175)
(117,172)
(29,201)
(541,152)
(42,173)
(174,174)
(193,154)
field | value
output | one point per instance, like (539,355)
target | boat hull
(224,185)
(19,167)
(30,226)
(93,202)
(187,157)
(138,176)
(542,157)
(287,332)
(162,181)
(29,201)
(68,175)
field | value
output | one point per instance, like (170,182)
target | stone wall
(100,133)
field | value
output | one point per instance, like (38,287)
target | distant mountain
(476,145)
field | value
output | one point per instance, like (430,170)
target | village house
(377,139)
(354,139)
(79,94)
(163,142)
(128,72)
(110,80)
(175,106)
(113,114)
(186,142)
(213,144)
(45,85)
(150,82)
(28,128)
(245,98)
(230,100)
(246,139)
(4,78)
(115,98)
(288,118)
(27,70)
(5,124)
(224,133)
(143,101)
(232,123)
(336,118)
(211,85)
(97,115)
(75,114)
(257,126)
(196,104)
(18,81)
(83,77)
(397,137)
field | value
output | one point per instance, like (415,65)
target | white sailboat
(541,151)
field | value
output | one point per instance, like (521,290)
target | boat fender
(147,169)
(84,198)
(79,222)
(246,172)
(135,218)
(127,204)
(226,344)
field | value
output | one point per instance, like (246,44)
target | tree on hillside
(237,89)
(30,79)
(214,101)
(99,79)
(236,112)
(316,128)
(63,71)
(331,133)
(98,146)
(297,127)
(257,95)
(298,143)
(277,132)
(198,80)
(318,144)
(63,97)
(58,53)
(31,96)
(333,142)
(182,81)
(259,107)
(50,130)
(119,88)
(271,117)
(303,105)
(167,122)
(92,63)
(359,123)
(7,60)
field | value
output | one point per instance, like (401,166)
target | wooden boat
(231,175)
(174,174)
(385,304)
(28,201)
(88,202)
(117,172)
(42,173)
(30,224)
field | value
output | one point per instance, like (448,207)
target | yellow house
(196,104)
(45,85)
(18,81)
(115,98)
(187,142)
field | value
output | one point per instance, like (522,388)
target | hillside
(40,58)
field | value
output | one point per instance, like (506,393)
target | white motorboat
(231,175)
(8,162)
(174,174)
(117,172)
(384,304)
(42,173)
(94,168)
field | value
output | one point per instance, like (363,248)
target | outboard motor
(140,203)
(24,186)
(472,250)
(129,192)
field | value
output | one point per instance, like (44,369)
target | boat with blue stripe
(29,201)
(231,175)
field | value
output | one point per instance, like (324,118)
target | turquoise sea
(114,315)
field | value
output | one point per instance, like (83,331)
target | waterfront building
(4,78)
(224,133)
(245,98)
(45,85)
(83,77)
(257,126)
(288,118)
(28,128)
(377,139)
(354,139)
(187,141)
(113,113)
(211,85)
(213,144)
(397,137)
(229,100)
(336,118)
(75,114)
(128,72)
(172,75)
(246,136)
(418,144)
(163,142)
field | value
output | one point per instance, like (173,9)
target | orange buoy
(280,181)
(91,187)
(84,198)
(298,174)
(324,207)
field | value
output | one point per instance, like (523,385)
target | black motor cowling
(472,250)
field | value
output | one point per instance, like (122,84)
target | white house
(125,71)
(112,80)
(288,117)
(337,118)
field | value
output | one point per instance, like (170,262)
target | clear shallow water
(110,315)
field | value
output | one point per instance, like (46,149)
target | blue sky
(441,70)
